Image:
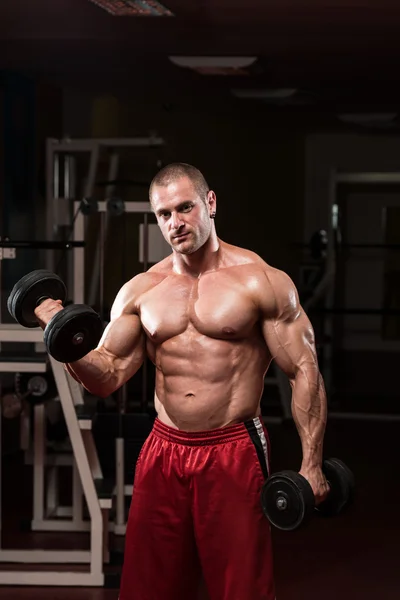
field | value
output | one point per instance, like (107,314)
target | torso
(204,337)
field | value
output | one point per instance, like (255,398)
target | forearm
(95,373)
(309,409)
(119,354)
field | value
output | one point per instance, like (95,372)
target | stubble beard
(186,247)
(192,244)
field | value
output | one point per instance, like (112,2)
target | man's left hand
(318,482)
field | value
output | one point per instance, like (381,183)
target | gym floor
(352,556)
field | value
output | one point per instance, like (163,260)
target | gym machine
(328,309)
(85,464)
(121,490)
(88,481)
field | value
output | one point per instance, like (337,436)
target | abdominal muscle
(205,383)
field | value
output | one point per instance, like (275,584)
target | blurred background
(291,111)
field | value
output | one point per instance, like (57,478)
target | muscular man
(211,317)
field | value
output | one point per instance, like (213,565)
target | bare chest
(213,306)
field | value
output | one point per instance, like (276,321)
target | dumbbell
(72,332)
(288,500)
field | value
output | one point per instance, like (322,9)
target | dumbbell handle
(43,298)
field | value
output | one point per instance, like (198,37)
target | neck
(204,259)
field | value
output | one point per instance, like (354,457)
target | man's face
(183,217)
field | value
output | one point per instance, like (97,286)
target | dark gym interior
(291,111)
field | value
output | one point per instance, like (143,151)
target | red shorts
(196,512)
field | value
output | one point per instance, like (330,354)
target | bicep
(291,342)
(287,330)
(123,342)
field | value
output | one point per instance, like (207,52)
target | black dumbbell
(288,500)
(72,332)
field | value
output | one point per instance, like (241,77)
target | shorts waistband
(207,437)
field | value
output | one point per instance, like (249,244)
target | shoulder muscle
(126,300)
(280,298)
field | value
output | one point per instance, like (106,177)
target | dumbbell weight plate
(287,500)
(341,482)
(73,332)
(25,294)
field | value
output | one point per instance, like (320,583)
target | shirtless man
(211,317)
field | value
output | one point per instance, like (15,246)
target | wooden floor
(352,557)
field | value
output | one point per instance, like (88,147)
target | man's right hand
(46,310)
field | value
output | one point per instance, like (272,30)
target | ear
(211,203)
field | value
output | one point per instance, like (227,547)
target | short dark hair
(175,171)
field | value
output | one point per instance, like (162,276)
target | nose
(176,221)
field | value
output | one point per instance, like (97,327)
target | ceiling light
(265,94)
(367,118)
(233,62)
(134,8)
(215,65)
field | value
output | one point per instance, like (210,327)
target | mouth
(181,236)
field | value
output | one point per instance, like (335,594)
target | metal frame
(349,178)
(79,234)
(48,515)
(88,468)
(65,148)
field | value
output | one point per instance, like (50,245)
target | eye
(187,207)
(165,215)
